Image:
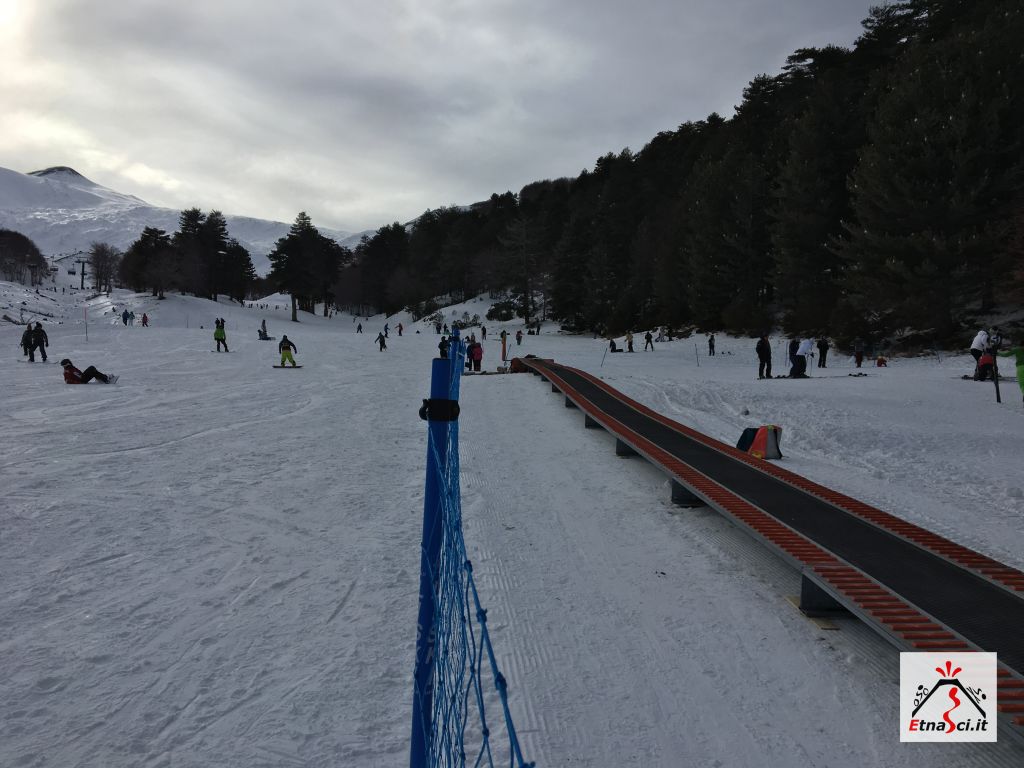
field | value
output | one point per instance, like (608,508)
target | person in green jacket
(1017,352)
(220,335)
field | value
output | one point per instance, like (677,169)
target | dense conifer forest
(872,191)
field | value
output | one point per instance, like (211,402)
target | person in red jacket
(74,376)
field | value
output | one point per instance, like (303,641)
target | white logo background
(923,685)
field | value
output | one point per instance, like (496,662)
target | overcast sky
(364,112)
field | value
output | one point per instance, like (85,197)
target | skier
(220,335)
(799,370)
(399,329)
(442,346)
(131,319)
(476,354)
(648,341)
(359,328)
(794,345)
(40,342)
(629,341)
(823,347)
(26,339)
(858,350)
(519,338)
(764,357)
(286,347)
(1018,353)
(978,347)
(483,333)
(74,376)
(711,345)
(382,341)
(124,318)
(145,320)
(385,330)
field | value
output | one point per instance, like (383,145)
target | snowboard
(226,351)
(287,366)
(269,338)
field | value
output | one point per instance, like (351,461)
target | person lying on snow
(74,376)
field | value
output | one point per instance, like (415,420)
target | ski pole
(995,376)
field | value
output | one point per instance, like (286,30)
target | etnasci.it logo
(947,697)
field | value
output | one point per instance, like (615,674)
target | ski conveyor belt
(985,610)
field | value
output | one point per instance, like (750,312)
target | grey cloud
(367,112)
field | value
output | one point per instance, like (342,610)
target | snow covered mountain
(64,212)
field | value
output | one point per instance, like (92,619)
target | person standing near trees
(823,347)
(764,357)
(858,351)
(220,335)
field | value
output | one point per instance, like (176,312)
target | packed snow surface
(215,562)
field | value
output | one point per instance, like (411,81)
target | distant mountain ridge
(63,212)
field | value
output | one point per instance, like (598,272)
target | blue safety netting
(458,700)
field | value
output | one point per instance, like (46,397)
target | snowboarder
(629,341)
(74,376)
(442,346)
(40,342)
(794,345)
(26,339)
(648,341)
(359,328)
(220,335)
(385,330)
(612,347)
(764,357)
(263,330)
(519,338)
(1018,353)
(145,320)
(382,341)
(124,318)
(483,333)
(823,347)
(711,345)
(400,328)
(286,347)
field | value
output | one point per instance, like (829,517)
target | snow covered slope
(63,212)
(215,563)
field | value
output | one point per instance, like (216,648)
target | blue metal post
(423,681)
